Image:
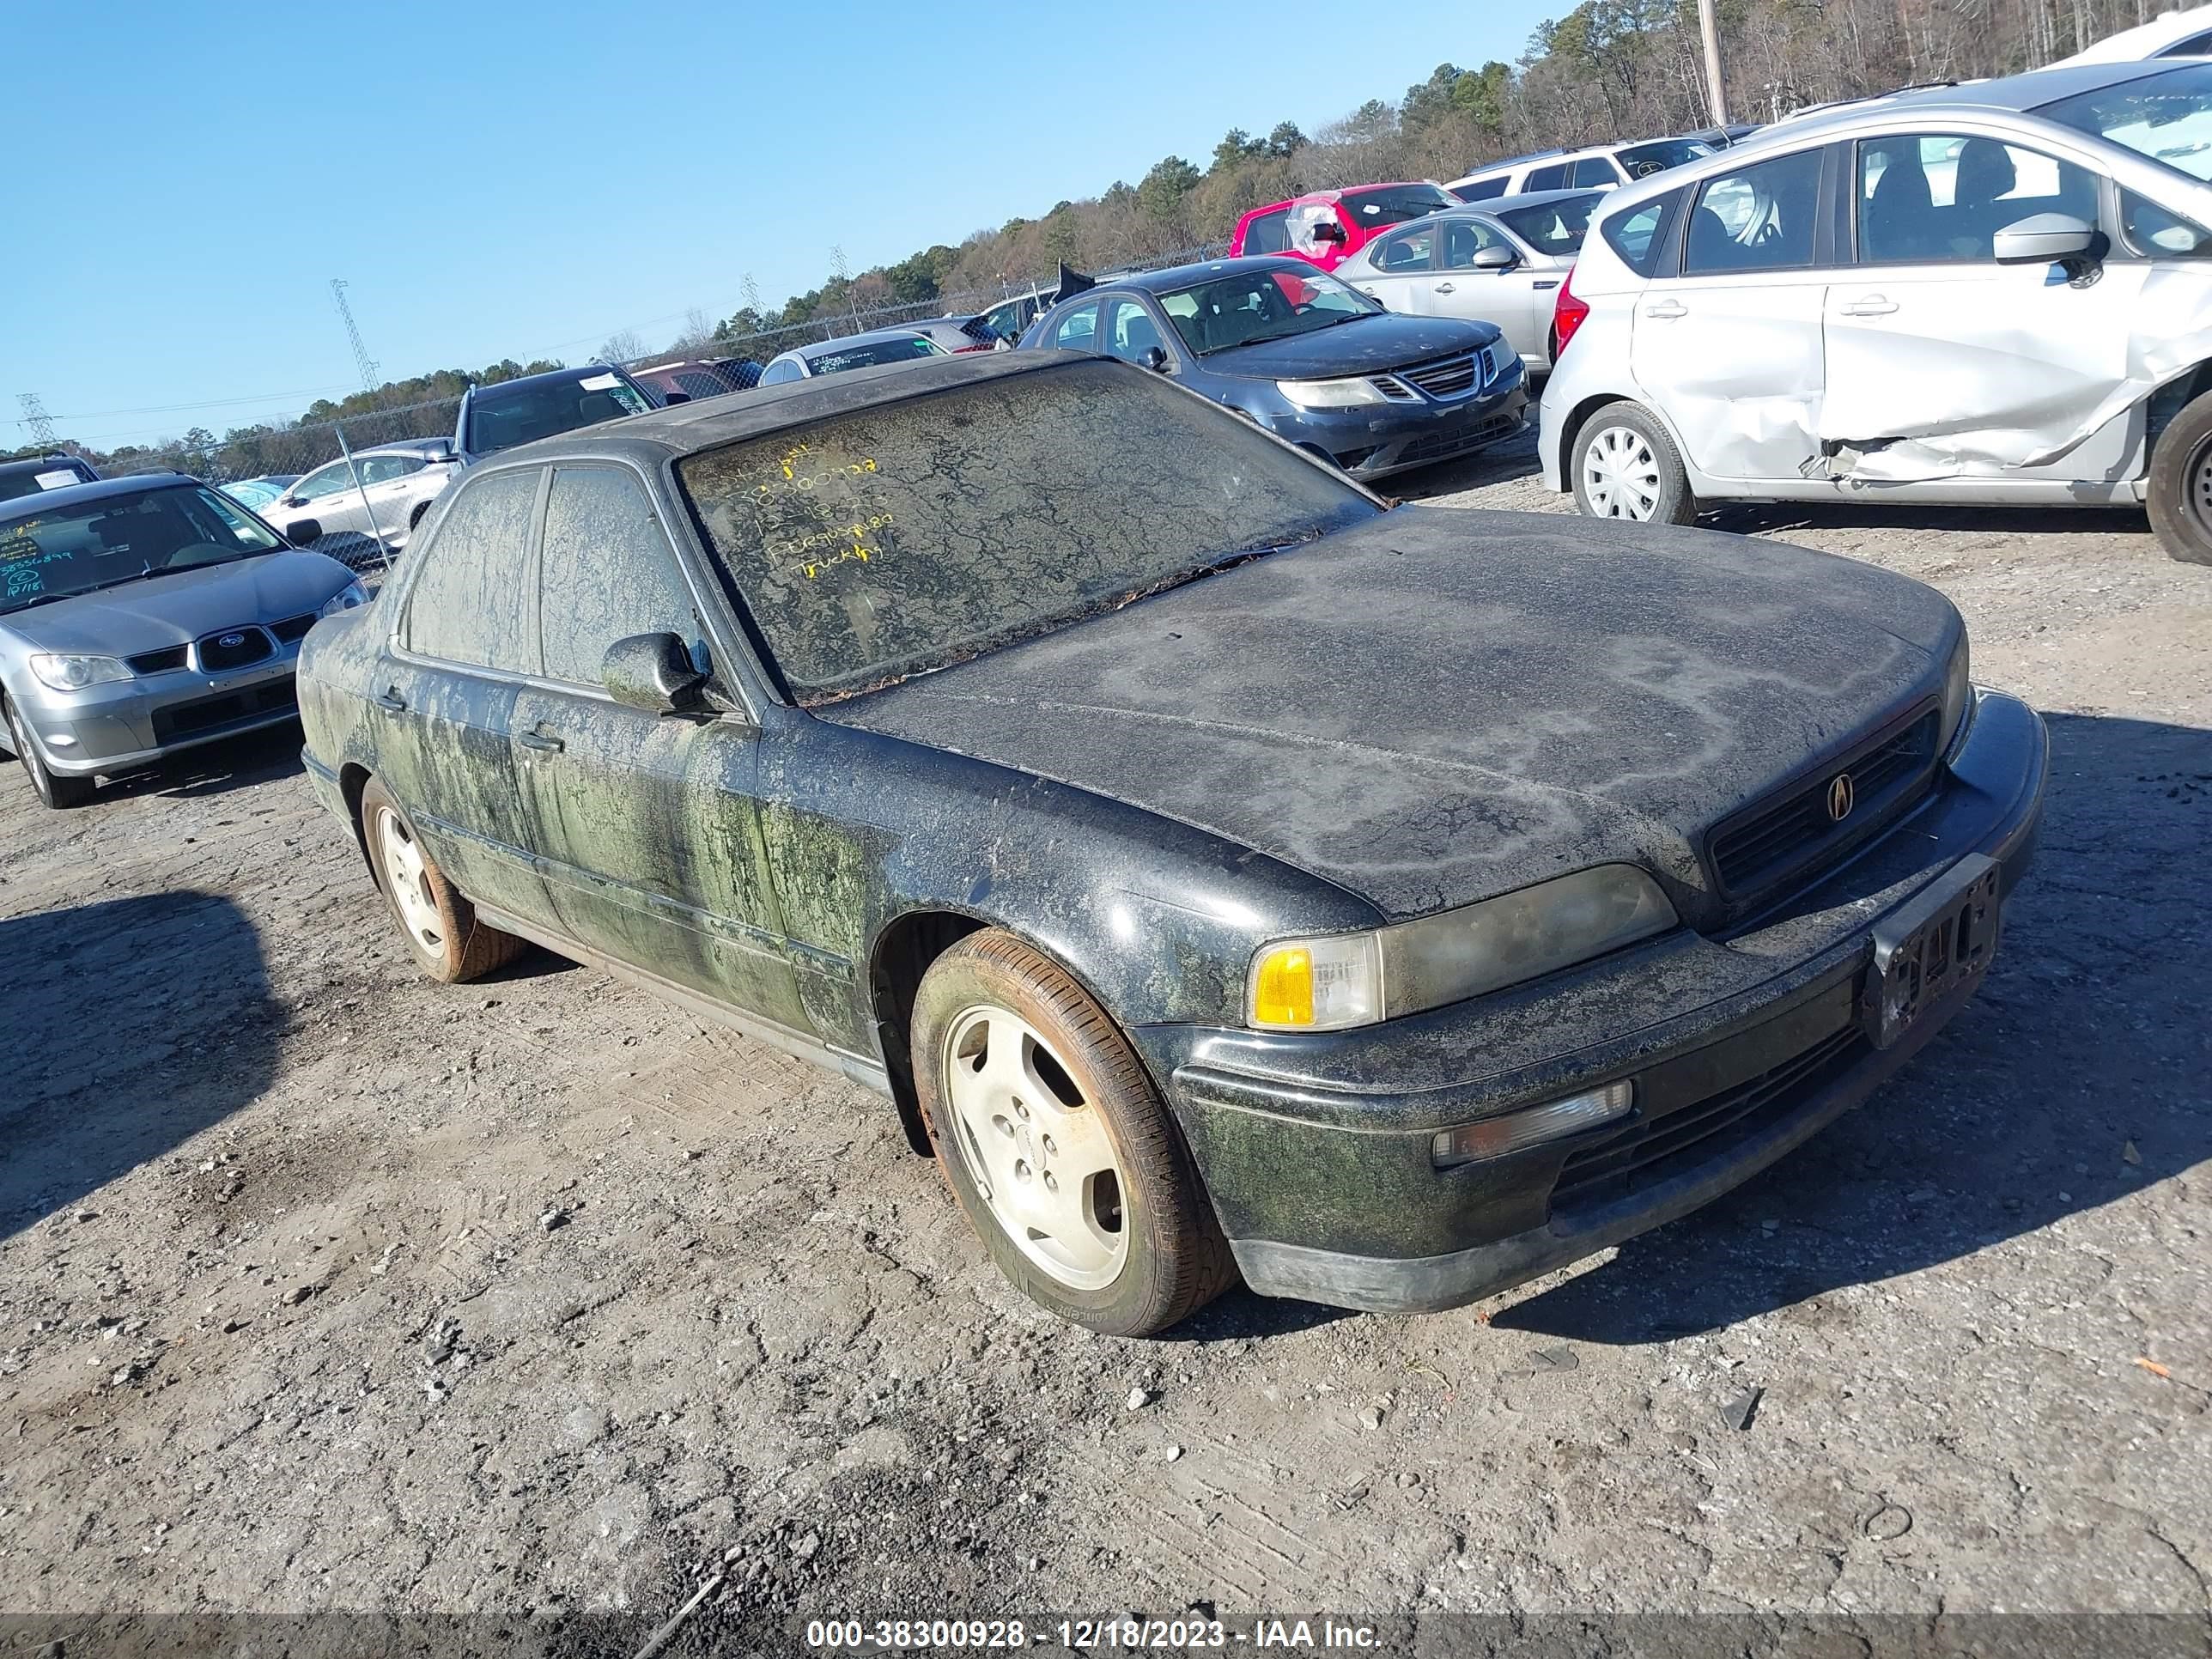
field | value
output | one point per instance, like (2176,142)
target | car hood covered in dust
(177,608)
(1445,704)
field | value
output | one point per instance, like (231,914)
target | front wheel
(2180,499)
(1624,465)
(1054,1140)
(58,791)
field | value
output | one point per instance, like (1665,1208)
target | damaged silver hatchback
(1994,294)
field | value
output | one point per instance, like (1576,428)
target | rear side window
(1482,190)
(1757,218)
(1639,235)
(1408,251)
(606,572)
(782,369)
(1269,233)
(471,601)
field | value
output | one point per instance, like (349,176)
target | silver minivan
(1991,294)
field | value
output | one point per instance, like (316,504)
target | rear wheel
(1624,465)
(2180,498)
(58,791)
(441,926)
(1051,1137)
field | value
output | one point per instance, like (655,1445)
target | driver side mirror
(2043,237)
(1495,257)
(1155,359)
(669,399)
(653,673)
(303,532)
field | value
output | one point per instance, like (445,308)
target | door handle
(1445,287)
(390,698)
(540,742)
(1870,304)
(1549,282)
(1667,308)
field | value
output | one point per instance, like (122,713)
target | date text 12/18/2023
(1190,1632)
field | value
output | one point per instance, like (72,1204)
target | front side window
(1941,198)
(2158,233)
(605,571)
(1464,239)
(502,416)
(325,481)
(117,539)
(781,370)
(470,603)
(2167,117)
(1392,205)
(1758,218)
(1556,227)
(1131,332)
(895,540)
(1269,233)
(388,469)
(1077,331)
(1407,252)
(1261,305)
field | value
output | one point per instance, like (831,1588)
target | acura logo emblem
(1840,798)
(231,641)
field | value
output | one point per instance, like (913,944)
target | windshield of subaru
(520,412)
(910,536)
(114,540)
(2165,116)
(1261,305)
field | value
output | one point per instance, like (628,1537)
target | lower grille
(234,647)
(1663,1146)
(185,720)
(1449,376)
(1451,443)
(1786,835)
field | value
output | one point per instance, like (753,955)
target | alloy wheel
(1620,475)
(407,875)
(1036,1147)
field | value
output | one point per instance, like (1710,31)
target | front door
(1507,296)
(650,823)
(2011,364)
(1729,349)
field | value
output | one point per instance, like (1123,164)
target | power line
(35,417)
(369,381)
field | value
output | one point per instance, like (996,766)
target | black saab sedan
(1221,871)
(1317,363)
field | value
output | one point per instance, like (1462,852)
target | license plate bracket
(1934,947)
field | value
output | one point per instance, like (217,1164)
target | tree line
(1607,70)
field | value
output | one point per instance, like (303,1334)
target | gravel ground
(323,1287)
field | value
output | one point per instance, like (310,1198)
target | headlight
(1355,979)
(352,597)
(75,673)
(1958,699)
(1330,394)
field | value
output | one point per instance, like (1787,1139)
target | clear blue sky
(504,180)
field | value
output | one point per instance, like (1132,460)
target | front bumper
(1375,440)
(1317,1149)
(126,724)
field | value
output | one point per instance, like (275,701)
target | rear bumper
(1318,1154)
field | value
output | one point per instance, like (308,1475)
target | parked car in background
(2185,33)
(869,350)
(1602,167)
(145,615)
(1315,362)
(1326,227)
(257,492)
(2000,293)
(1008,318)
(36,473)
(533,406)
(688,380)
(1502,263)
(1222,874)
(958,334)
(348,509)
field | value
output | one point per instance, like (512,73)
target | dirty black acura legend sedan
(1221,873)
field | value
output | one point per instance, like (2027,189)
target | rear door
(445,686)
(1402,269)
(2006,362)
(651,840)
(1728,348)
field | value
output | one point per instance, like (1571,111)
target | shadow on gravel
(2076,1077)
(132,1026)
(259,757)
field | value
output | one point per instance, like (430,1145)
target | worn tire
(1175,1260)
(2180,484)
(59,793)
(445,937)
(1632,433)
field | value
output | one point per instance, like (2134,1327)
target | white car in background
(1602,167)
(2170,34)
(1994,294)
(379,496)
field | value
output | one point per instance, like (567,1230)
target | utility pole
(360,352)
(36,418)
(1708,26)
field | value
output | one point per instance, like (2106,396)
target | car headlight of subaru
(352,597)
(1331,394)
(1958,700)
(1341,980)
(74,674)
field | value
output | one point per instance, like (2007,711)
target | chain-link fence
(356,485)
